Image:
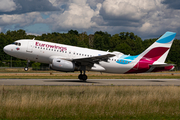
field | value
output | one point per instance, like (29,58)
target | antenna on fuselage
(33,38)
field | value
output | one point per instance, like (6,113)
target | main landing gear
(26,68)
(82,77)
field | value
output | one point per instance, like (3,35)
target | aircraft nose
(6,49)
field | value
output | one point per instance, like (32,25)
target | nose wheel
(26,69)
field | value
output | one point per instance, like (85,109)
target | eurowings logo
(17,48)
(50,46)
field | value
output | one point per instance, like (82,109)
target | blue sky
(146,18)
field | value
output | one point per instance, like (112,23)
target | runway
(97,82)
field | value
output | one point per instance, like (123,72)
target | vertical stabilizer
(159,50)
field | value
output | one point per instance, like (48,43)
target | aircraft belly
(115,67)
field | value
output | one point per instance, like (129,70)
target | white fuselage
(44,52)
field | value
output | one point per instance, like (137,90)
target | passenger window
(19,44)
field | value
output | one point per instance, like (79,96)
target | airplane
(68,58)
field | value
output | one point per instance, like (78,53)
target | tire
(84,77)
(26,69)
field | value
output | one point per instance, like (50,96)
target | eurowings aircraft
(68,58)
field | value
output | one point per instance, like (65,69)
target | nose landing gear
(26,68)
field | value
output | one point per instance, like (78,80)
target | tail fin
(159,50)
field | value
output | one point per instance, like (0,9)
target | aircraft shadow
(74,81)
(155,81)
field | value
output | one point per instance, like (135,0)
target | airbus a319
(68,58)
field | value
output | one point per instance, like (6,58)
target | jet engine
(62,65)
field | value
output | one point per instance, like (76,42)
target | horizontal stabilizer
(161,65)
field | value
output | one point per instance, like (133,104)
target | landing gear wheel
(80,76)
(26,69)
(84,77)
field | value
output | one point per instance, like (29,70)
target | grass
(89,102)
(18,73)
(91,75)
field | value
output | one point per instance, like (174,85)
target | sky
(145,18)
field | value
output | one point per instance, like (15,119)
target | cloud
(173,4)
(77,16)
(123,12)
(21,20)
(26,6)
(7,5)
(144,18)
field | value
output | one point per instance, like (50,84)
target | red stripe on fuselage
(148,59)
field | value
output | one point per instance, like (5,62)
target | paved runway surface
(71,82)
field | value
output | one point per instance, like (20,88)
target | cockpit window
(17,43)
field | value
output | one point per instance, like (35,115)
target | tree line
(125,42)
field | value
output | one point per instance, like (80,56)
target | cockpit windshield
(17,43)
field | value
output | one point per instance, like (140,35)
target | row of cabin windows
(73,53)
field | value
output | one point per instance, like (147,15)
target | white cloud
(77,16)
(128,9)
(7,5)
(33,34)
(22,19)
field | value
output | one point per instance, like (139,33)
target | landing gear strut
(81,76)
(26,68)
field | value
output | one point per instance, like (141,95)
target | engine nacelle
(62,65)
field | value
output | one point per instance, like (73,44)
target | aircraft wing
(92,60)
